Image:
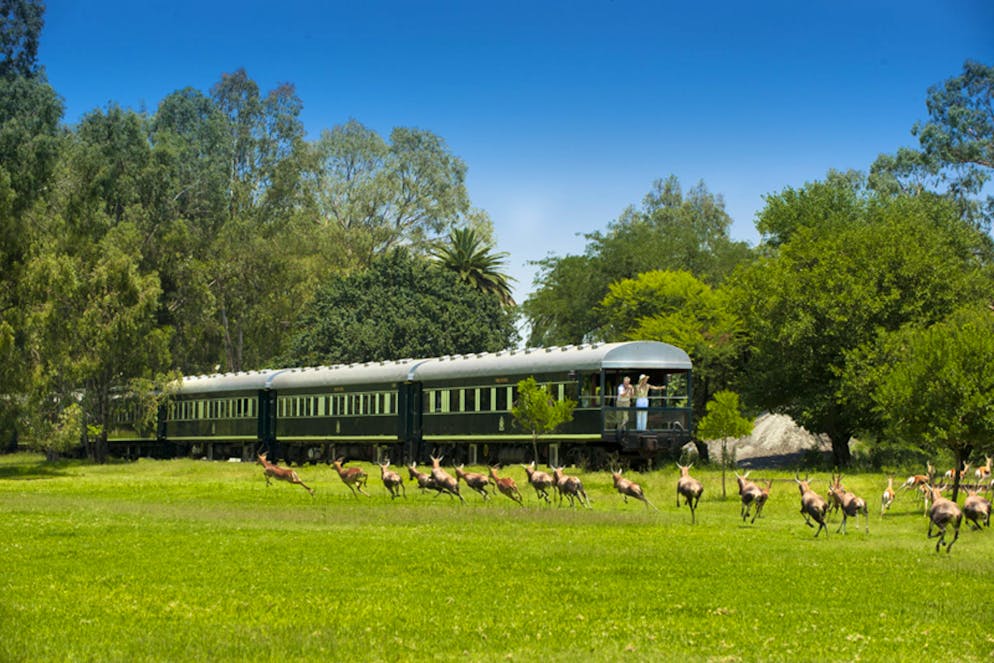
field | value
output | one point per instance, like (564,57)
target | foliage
(469,256)
(60,437)
(159,589)
(671,231)
(832,288)
(723,421)
(373,195)
(677,308)
(956,155)
(21,22)
(723,418)
(403,306)
(537,412)
(932,387)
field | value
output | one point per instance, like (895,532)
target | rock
(776,440)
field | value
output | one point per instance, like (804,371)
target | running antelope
(506,486)
(751,495)
(976,509)
(943,512)
(813,506)
(444,482)
(851,505)
(269,470)
(983,472)
(392,481)
(425,482)
(690,488)
(540,481)
(475,480)
(951,474)
(629,488)
(918,480)
(571,487)
(353,477)
(887,498)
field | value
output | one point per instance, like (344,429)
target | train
(459,406)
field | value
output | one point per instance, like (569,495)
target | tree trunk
(840,452)
(961,455)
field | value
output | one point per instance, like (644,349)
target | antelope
(851,505)
(813,506)
(269,470)
(690,488)
(571,487)
(444,482)
(887,498)
(976,509)
(540,481)
(425,482)
(951,474)
(629,488)
(751,495)
(943,512)
(392,481)
(506,486)
(983,472)
(353,477)
(475,481)
(834,497)
(918,480)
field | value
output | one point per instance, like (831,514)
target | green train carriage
(457,405)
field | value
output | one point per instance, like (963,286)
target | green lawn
(196,561)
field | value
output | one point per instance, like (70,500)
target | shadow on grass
(32,470)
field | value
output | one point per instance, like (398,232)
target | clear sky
(565,112)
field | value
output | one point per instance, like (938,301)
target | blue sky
(565,112)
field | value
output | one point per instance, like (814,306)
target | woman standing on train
(642,401)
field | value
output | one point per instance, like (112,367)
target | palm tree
(474,260)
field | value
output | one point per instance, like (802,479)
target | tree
(466,254)
(933,387)
(537,412)
(374,195)
(89,327)
(403,306)
(723,421)
(671,231)
(831,289)
(264,155)
(30,145)
(956,146)
(21,22)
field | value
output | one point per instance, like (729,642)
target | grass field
(196,561)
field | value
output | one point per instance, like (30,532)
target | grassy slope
(186,560)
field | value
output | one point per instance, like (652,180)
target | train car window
(455,400)
(471,398)
(485,399)
(500,405)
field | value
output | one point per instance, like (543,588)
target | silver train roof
(589,357)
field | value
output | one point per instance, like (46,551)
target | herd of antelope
(942,512)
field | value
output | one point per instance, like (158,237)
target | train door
(410,406)
(267,420)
